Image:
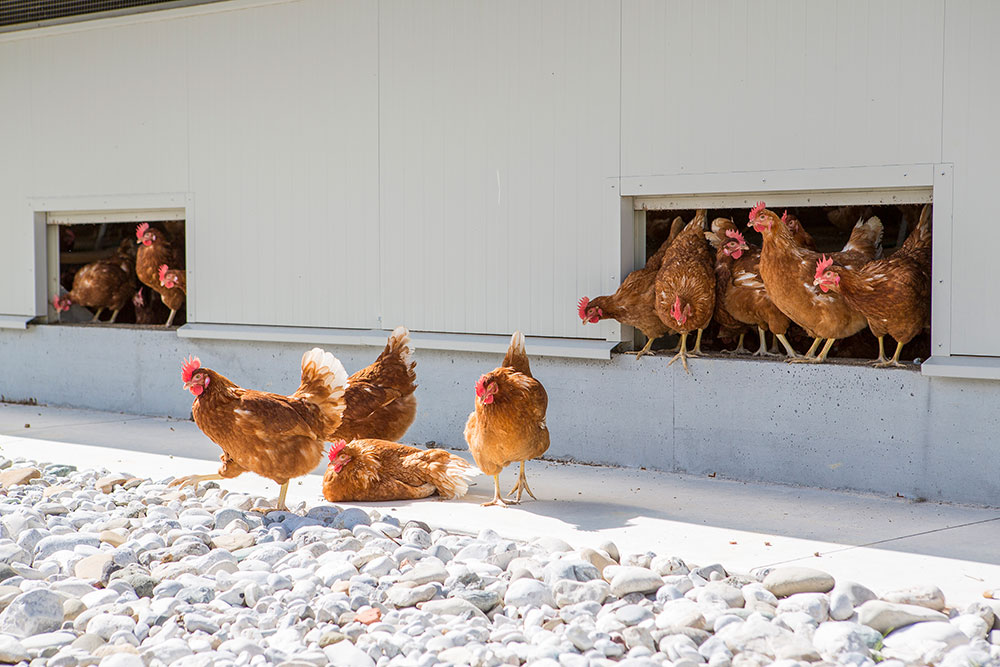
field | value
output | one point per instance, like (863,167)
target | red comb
(481,386)
(191,364)
(675,311)
(336,449)
(163,272)
(756,210)
(822,265)
(582,310)
(140,229)
(784,217)
(733,234)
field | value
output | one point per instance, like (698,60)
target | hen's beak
(188,385)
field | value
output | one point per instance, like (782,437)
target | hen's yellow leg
(762,351)
(194,479)
(521,486)
(739,346)
(895,358)
(497,500)
(280,505)
(792,354)
(645,350)
(682,355)
(881,361)
(697,345)
(818,359)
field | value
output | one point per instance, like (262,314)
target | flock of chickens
(108,284)
(684,286)
(283,437)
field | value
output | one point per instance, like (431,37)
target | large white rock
(887,616)
(785,581)
(32,613)
(528,592)
(628,579)
(348,655)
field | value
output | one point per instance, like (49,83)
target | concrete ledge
(14,321)
(537,346)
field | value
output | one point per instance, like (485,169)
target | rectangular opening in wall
(116,268)
(823,223)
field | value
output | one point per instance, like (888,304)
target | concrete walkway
(884,543)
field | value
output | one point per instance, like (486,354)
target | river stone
(111,537)
(346,654)
(404,596)
(13,553)
(887,616)
(569,569)
(595,558)
(11,650)
(452,607)
(785,581)
(567,592)
(815,605)
(919,633)
(921,596)
(835,638)
(92,566)
(18,476)
(53,543)
(717,591)
(528,592)
(841,607)
(425,571)
(483,600)
(973,626)
(105,625)
(855,592)
(629,579)
(107,483)
(233,541)
(32,613)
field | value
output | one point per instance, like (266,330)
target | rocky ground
(109,569)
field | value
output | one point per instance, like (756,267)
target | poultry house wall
(357,164)
(835,426)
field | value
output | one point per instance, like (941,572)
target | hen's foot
(268,510)
(683,356)
(521,486)
(805,360)
(888,363)
(193,480)
(500,502)
(764,352)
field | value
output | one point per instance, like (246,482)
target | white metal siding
(499,129)
(751,85)
(284,168)
(17,229)
(972,143)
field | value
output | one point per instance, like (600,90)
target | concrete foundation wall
(831,426)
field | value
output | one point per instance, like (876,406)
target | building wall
(833,426)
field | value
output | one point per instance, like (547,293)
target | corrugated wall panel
(499,129)
(16,230)
(779,84)
(283,113)
(972,143)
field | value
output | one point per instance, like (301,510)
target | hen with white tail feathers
(277,437)
(380,397)
(508,424)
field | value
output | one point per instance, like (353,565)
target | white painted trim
(941,261)
(147,201)
(118,215)
(973,368)
(787,180)
(14,321)
(537,346)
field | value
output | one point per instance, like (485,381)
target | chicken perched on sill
(277,437)
(893,294)
(380,397)
(788,271)
(633,303)
(508,424)
(373,470)
(154,251)
(685,286)
(740,292)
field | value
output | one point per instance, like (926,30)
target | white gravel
(101,568)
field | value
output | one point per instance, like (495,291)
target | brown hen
(633,303)
(154,251)
(685,286)
(508,424)
(893,294)
(380,397)
(372,470)
(277,437)
(104,284)
(788,271)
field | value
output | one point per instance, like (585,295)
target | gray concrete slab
(883,542)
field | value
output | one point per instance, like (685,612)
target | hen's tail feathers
(399,345)
(323,383)
(866,237)
(676,227)
(450,475)
(517,356)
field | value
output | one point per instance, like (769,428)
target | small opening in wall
(117,273)
(829,228)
